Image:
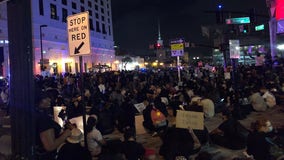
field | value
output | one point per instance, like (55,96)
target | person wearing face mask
(257,144)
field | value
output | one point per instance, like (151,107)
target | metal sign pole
(178,67)
(83,99)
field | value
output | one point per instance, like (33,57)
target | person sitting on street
(268,97)
(94,137)
(49,135)
(230,134)
(73,149)
(257,101)
(257,144)
(179,143)
(131,149)
(154,119)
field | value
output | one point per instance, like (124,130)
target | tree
(126,60)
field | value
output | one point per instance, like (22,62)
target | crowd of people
(110,98)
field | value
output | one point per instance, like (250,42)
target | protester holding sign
(230,134)
(179,143)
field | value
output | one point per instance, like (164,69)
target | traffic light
(158,45)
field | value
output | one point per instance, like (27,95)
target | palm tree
(126,60)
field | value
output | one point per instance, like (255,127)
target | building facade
(51,17)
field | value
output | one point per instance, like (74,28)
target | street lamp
(41,52)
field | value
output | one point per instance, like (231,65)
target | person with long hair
(94,137)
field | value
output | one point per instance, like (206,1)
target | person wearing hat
(72,149)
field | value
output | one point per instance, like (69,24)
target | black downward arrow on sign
(77,50)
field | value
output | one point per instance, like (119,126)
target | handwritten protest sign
(194,120)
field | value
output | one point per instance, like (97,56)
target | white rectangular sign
(234,49)
(78,29)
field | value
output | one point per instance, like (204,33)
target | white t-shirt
(208,108)
(93,146)
(269,99)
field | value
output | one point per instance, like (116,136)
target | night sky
(135,22)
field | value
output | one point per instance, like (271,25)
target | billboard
(279,9)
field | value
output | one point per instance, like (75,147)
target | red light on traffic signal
(158,45)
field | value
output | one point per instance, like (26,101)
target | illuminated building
(53,14)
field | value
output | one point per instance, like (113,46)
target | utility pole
(21,81)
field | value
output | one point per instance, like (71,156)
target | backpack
(158,118)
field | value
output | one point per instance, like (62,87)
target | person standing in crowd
(72,149)
(48,132)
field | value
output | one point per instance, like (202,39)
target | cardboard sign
(79,122)
(140,107)
(194,120)
(56,111)
(227,75)
(139,125)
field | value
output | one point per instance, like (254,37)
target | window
(64,15)
(108,20)
(107,6)
(104,28)
(91,24)
(103,18)
(82,9)
(96,1)
(64,2)
(98,26)
(41,7)
(108,13)
(102,10)
(109,30)
(82,1)
(96,7)
(74,6)
(90,13)
(102,2)
(89,3)
(53,12)
(97,15)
